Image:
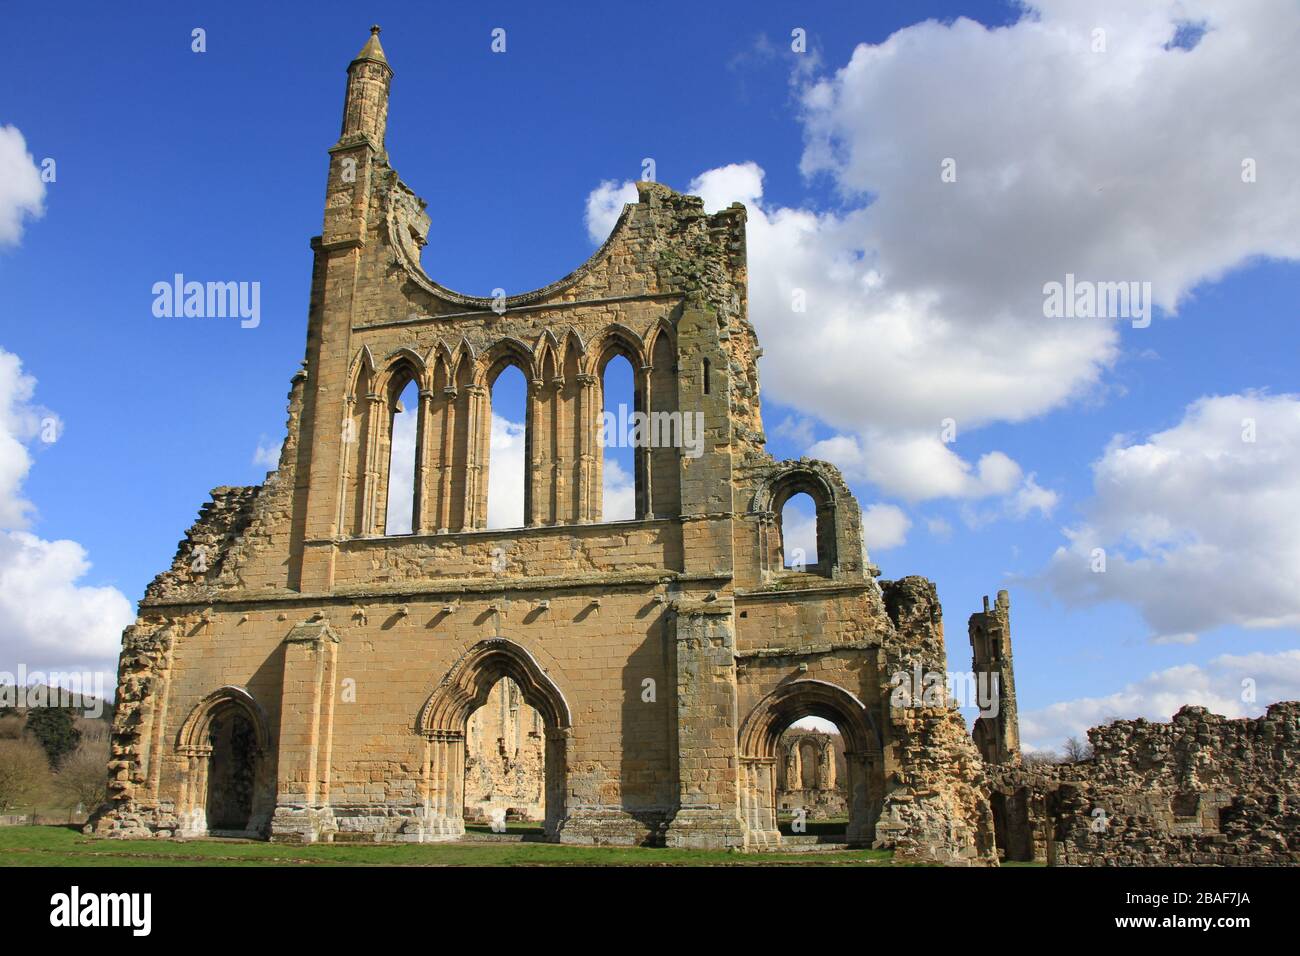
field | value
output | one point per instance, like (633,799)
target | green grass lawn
(66,846)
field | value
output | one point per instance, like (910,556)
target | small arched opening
(229,789)
(817,737)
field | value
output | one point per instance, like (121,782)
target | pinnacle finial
(372,50)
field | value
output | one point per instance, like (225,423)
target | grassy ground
(66,846)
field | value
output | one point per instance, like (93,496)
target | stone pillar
(423,518)
(475,472)
(370,476)
(644,476)
(533,459)
(443,785)
(588,471)
(708,814)
(826,766)
(448,466)
(302,811)
(556,769)
(758,801)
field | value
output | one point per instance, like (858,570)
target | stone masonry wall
(1202,790)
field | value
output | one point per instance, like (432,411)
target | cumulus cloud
(619,494)
(47,618)
(884,527)
(604,206)
(22,194)
(923,299)
(1234,685)
(1195,523)
(267,453)
(506,474)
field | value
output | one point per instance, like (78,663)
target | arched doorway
(444,720)
(229,790)
(231,775)
(760,749)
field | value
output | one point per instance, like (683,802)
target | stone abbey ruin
(300,674)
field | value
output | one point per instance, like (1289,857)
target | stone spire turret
(365,107)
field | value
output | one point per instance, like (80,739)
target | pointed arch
(616,339)
(402,365)
(572,350)
(363,365)
(467,685)
(662,331)
(503,352)
(548,352)
(444,718)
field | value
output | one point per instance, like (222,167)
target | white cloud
(1031,497)
(618,501)
(506,474)
(939,527)
(47,619)
(795,428)
(604,206)
(22,193)
(19,424)
(924,298)
(1217,685)
(1196,524)
(267,455)
(884,527)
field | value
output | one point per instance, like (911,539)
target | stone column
(370,477)
(644,477)
(758,776)
(708,814)
(443,783)
(423,517)
(533,459)
(475,443)
(447,468)
(826,766)
(588,471)
(302,811)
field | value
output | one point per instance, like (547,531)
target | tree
(83,777)
(1076,750)
(24,772)
(56,730)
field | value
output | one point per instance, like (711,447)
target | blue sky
(213,164)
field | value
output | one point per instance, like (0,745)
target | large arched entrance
(228,787)
(760,738)
(444,719)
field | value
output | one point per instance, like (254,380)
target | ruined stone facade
(300,674)
(1199,790)
(810,770)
